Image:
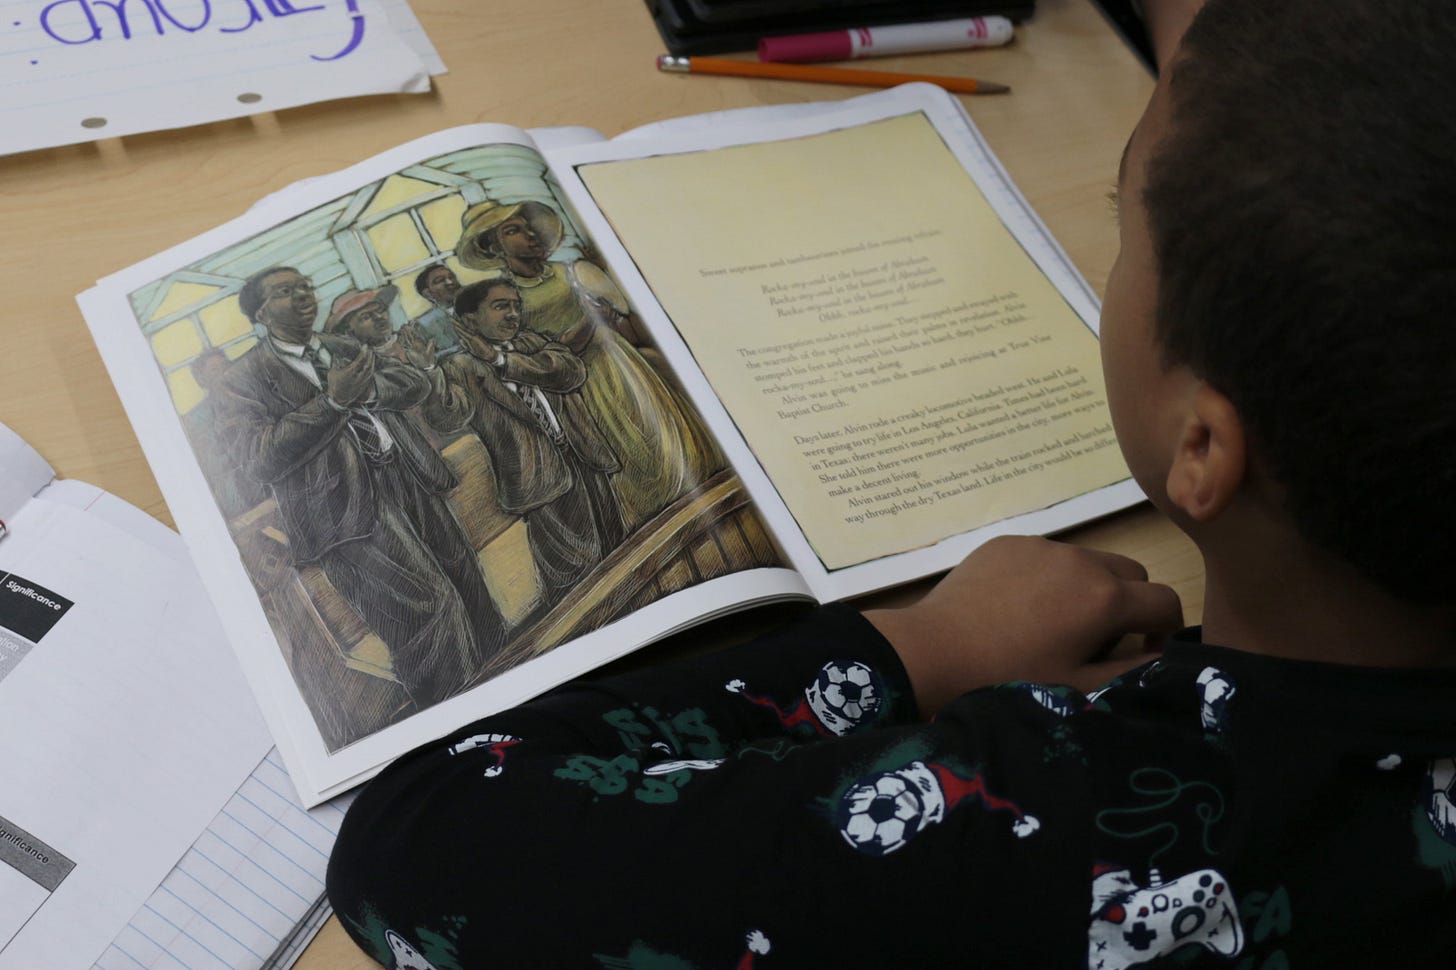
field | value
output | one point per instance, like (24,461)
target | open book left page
(421,482)
(124,721)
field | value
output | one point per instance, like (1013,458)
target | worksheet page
(124,724)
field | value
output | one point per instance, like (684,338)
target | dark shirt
(779,805)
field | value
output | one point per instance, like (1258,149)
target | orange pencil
(824,75)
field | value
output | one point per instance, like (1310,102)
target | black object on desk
(1124,18)
(714,26)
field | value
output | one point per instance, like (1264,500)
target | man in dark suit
(319,418)
(234,492)
(516,389)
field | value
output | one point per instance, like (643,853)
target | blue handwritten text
(88,21)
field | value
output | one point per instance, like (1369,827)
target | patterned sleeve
(774,805)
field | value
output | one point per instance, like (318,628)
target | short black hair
(422,278)
(250,297)
(469,299)
(1302,206)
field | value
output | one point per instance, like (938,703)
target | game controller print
(1132,925)
(844,695)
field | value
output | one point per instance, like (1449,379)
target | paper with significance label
(124,724)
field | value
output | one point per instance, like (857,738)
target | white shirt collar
(295,350)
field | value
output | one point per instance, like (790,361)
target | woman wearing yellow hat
(662,444)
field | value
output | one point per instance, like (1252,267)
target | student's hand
(352,382)
(1023,608)
(419,347)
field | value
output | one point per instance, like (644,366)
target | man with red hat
(364,315)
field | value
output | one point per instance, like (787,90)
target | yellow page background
(898,364)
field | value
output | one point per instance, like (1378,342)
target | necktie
(535,403)
(536,406)
(311,354)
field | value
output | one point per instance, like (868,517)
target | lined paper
(236,896)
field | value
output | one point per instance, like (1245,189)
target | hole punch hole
(250,98)
(93,122)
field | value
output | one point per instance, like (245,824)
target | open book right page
(901,360)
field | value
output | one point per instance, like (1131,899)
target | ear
(1211,456)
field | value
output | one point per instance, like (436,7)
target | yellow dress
(661,441)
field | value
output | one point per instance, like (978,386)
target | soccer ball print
(880,814)
(844,695)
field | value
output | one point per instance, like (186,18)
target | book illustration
(441,443)
(622,388)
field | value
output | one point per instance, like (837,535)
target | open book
(612,387)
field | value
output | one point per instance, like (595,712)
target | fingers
(1149,608)
(1140,606)
(1123,567)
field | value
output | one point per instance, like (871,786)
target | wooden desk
(78,213)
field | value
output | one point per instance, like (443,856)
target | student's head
(438,284)
(490,309)
(281,299)
(1288,222)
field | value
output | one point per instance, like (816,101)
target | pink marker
(844,45)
